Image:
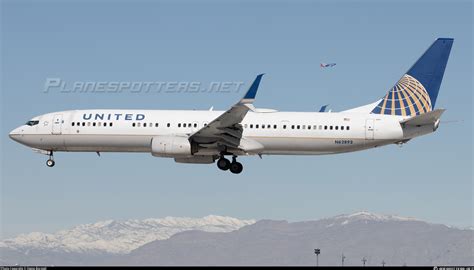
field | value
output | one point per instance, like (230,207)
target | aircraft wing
(226,129)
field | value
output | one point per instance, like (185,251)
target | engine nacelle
(170,146)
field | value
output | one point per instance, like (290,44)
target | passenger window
(133,124)
(72,123)
(303,127)
(309,126)
(320,127)
(83,124)
(330,127)
(144,124)
(347,128)
(179,124)
(284,126)
(337,127)
(195,125)
(251,125)
(263,126)
(315,127)
(325,127)
(138,124)
(184,124)
(110,124)
(256,126)
(168,125)
(94,124)
(88,124)
(298,127)
(156,124)
(292,126)
(275,126)
(342,127)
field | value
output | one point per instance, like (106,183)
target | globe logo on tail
(407,98)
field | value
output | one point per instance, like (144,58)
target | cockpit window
(32,122)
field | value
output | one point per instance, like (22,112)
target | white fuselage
(280,133)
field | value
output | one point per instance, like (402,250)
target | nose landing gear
(50,162)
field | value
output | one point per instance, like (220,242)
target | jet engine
(170,146)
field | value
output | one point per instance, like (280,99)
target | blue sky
(373,44)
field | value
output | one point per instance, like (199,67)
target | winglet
(323,108)
(252,92)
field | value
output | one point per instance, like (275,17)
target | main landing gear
(234,166)
(50,162)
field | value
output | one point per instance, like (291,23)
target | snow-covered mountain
(119,237)
(217,240)
(367,217)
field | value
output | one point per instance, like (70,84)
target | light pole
(343,258)
(317,251)
(364,260)
(383,263)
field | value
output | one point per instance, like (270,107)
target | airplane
(324,65)
(204,137)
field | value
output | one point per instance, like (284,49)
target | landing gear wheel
(236,167)
(50,163)
(223,164)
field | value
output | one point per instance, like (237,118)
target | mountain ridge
(119,237)
(218,240)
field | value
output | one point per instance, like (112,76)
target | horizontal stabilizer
(424,119)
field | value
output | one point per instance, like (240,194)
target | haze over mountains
(216,240)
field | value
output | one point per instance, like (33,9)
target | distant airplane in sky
(189,136)
(323,65)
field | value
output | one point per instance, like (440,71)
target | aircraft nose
(15,134)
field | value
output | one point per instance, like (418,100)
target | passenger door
(57,124)
(369,129)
